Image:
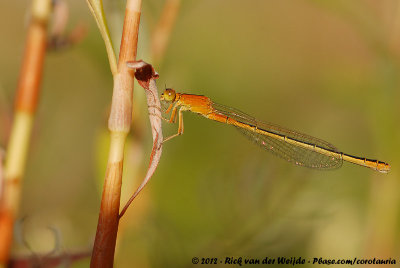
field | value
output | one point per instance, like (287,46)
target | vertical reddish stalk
(32,67)
(119,125)
(107,227)
(26,102)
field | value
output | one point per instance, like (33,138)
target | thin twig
(162,32)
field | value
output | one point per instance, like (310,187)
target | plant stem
(26,102)
(119,125)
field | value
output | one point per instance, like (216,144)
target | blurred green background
(326,68)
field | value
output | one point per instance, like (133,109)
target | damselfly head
(168,95)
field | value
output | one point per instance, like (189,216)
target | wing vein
(306,156)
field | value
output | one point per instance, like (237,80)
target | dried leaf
(146,77)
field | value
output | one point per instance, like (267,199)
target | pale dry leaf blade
(146,76)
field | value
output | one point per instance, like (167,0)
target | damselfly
(293,146)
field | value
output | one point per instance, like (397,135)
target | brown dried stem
(26,102)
